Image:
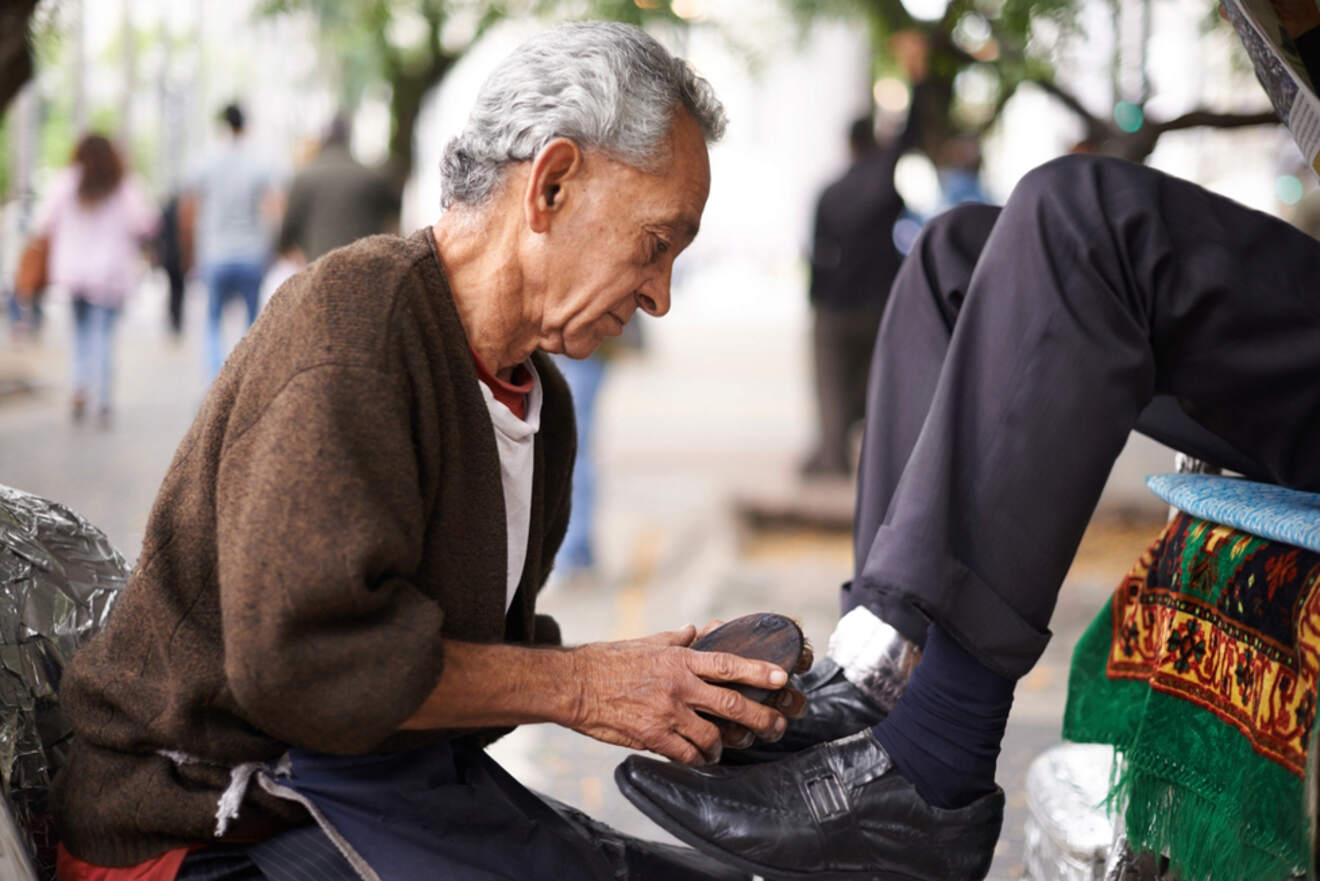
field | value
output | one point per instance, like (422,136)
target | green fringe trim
(1191,786)
(1204,838)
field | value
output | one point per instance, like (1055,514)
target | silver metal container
(1068,830)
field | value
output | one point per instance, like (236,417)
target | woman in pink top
(96,219)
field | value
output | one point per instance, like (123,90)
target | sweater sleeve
(328,644)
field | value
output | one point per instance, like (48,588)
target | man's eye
(658,248)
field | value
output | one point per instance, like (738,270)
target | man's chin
(581,349)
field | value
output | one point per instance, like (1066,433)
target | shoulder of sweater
(346,306)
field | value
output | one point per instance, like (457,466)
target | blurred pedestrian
(336,200)
(235,192)
(174,253)
(96,220)
(853,263)
(959,173)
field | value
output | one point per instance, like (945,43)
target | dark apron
(448,811)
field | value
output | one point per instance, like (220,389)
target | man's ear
(548,185)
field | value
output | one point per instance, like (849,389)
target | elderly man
(334,609)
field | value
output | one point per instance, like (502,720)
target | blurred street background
(702,426)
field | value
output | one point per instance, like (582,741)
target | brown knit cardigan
(334,511)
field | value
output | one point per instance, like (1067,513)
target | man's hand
(645,694)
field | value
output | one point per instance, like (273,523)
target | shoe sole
(644,804)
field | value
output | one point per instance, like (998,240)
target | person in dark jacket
(853,263)
(336,200)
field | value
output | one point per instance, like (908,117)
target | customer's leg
(909,355)
(1102,284)
(905,366)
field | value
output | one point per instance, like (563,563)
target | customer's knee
(1076,182)
(962,229)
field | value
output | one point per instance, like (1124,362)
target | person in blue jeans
(225,281)
(234,191)
(93,354)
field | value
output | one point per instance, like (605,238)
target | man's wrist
(569,708)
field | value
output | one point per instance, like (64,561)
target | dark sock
(944,733)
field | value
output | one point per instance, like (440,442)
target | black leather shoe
(837,812)
(835,708)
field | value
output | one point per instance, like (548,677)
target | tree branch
(1195,118)
(1096,129)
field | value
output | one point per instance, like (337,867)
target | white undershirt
(516,441)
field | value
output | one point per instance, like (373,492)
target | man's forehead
(690,186)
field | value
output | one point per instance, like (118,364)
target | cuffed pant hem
(900,572)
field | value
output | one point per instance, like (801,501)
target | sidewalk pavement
(715,412)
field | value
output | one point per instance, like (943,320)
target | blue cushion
(1272,512)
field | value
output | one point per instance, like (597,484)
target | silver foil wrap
(1068,831)
(874,656)
(59,577)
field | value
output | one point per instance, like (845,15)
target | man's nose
(653,297)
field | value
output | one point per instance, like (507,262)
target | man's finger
(791,702)
(726,667)
(765,722)
(704,735)
(735,736)
(677,748)
(717,623)
(683,636)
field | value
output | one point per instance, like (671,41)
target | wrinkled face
(611,251)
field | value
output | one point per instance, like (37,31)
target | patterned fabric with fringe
(1202,672)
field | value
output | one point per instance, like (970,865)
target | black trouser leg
(909,353)
(1019,350)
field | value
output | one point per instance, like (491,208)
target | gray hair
(603,85)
